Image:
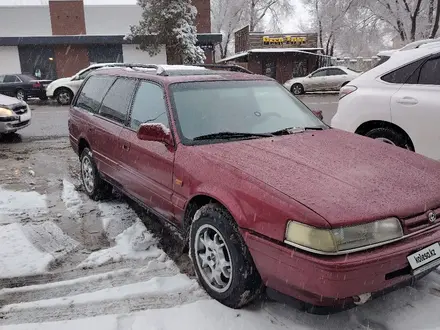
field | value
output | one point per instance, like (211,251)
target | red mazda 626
(266,194)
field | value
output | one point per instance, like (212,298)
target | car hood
(62,81)
(7,101)
(345,178)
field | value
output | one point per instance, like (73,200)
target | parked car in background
(397,102)
(324,79)
(265,194)
(15,114)
(64,89)
(23,86)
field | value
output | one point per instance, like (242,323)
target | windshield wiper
(293,130)
(230,135)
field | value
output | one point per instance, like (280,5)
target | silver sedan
(324,79)
(14,114)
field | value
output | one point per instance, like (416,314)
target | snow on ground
(20,204)
(18,256)
(71,197)
(134,285)
(133,243)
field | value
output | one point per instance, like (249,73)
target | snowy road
(68,263)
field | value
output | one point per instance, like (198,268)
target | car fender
(223,196)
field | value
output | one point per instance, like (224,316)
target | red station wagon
(267,195)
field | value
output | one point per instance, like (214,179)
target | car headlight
(334,241)
(8,115)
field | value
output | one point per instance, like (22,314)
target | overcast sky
(290,25)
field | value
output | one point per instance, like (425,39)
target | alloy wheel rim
(87,174)
(296,90)
(20,95)
(213,258)
(64,97)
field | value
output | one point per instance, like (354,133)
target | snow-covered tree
(170,23)
(410,19)
(227,16)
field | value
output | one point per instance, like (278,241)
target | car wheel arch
(372,124)
(60,88)
(199,200)
(82,144)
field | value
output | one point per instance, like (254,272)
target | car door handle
(407,100)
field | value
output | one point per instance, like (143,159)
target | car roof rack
(228,67)
(165,69)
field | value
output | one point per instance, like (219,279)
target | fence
(357,64)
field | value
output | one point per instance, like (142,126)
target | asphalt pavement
(49,120)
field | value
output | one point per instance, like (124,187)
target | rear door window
(320,73)
(404,74)
(93,92)
(11,79)
(430,72)
(117,101)
(335,72)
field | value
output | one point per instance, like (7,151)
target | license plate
(424,256)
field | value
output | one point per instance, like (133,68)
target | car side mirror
(318,113)
(155,132)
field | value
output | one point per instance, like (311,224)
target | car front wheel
(64,96)
(297,89)
(94,186)
(221,258)
(390,136)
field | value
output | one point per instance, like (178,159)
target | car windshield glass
(256,107)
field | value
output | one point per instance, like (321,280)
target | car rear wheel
(21,95)
(390,136)
(221,258)
(64,96)
(297,89)
(94,186)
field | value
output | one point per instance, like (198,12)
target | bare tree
(227,16)
(259,10)
(436,20)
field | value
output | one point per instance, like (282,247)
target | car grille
(419,222)
(23,123)
(20,109)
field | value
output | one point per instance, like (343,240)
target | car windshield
(252,107)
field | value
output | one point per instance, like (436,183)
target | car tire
(21,95)
(297,89)
(390,136)
(94,186)
(64,96)
(215,227)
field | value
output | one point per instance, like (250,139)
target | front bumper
(13,126)
(334,281)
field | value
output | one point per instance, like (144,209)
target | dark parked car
(23,86)
(266,194)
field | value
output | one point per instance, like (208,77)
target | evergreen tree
(170,23)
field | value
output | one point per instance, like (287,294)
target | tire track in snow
(88,283)
(158,292)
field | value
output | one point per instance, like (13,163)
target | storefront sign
(286,40)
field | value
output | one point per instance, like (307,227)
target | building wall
(25,21)
(67,17)
(124,16)
(9,60)
(133,55)
(70,59)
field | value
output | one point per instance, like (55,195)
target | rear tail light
(348,89)
(36,85)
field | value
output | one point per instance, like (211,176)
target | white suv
(397,102)
(64,89)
